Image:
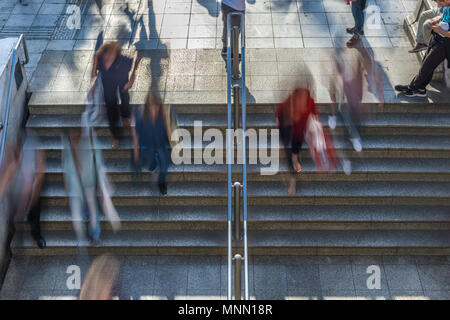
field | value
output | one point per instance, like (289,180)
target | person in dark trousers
(292,117)
(358,7)
(437,52)
(114,69)
(227,7)
(21,181)
(150,138)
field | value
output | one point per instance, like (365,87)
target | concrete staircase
(396,201)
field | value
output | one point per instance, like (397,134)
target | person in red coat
(292,117)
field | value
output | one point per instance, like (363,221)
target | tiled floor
(308,277)
(187,75)
(197,24)
(181,24)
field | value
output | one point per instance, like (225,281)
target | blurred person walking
(114,69)
(151,138)
(373,74)
(101,280)
(347,94)
(21,180)
(79,178)
(357,31)
(85,179)
(292,117)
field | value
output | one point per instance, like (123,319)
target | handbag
(320,145)
(95,109)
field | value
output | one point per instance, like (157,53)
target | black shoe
(163,188)
(402,88)
(96,242)
(415,93)
(419,47)
(41,242)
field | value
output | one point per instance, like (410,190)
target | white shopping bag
(95,109)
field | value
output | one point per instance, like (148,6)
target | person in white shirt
(227,7)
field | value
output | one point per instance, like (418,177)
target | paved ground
(193,24)
(334,277)
(199,76)
(286,40)
(198,23)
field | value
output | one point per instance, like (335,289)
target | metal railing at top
(14,59)
(236,83)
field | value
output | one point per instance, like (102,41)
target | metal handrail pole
(237,210)
(235,50)
(236,93)
(229,150)
(237,277)
(244,147)
(229,144)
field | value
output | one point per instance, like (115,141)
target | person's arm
(130,83)
(436,20)
(95,65)
(436,28)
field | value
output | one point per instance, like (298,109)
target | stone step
(270,193)
(194,242)
(382,124)
(74,103)
(291,217)
(211,109)
(374,146)
(370,169)
(78,109)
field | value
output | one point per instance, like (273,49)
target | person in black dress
(114,69)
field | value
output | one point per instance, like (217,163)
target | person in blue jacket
(150,138)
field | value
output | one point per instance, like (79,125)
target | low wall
(15,122)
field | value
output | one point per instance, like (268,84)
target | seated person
(436,54)
(424,26)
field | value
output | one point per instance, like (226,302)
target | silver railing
(236,90)
(4,126)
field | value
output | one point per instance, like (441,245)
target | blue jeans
(82,210)
(358,14)
(157,157)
